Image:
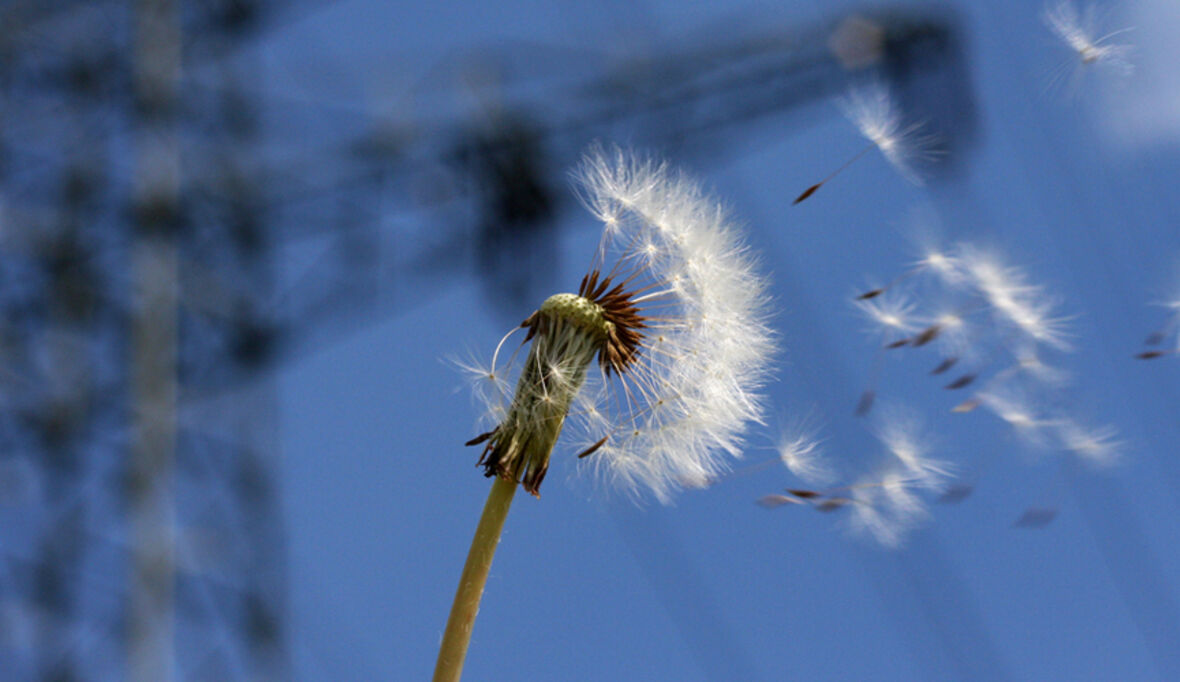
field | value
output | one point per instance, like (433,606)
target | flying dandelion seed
(893,320)
(1013,405)
(875,114)
(1098,446)
(891,317)
(799,450)
(1012,300)
(675,314)
(1160,336)
(1091,52)
(901,434)
(1079,31)
(887,506)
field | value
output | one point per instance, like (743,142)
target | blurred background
(241,241)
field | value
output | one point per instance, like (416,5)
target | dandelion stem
(475,574)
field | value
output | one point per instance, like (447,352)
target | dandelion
(657,360)
(875,114)
(1079,31)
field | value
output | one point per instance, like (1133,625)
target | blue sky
(381,499)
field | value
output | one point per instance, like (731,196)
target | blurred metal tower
(139,530)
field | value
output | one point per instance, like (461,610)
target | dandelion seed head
(676,314)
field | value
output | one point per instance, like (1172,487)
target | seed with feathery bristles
(799,450)
(1079,30)
(875,114)
(1170,327)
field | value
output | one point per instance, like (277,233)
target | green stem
(475,574)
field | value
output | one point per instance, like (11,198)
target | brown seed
(1035,517)
(590,450)
(956,493)
(805,494)
(966,405)
(896,344)
(944,365)
(928,334)
(960,382)
(481,438)
(870,294)
(832,504)
(866,403)
(806,193)
(1148,355)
